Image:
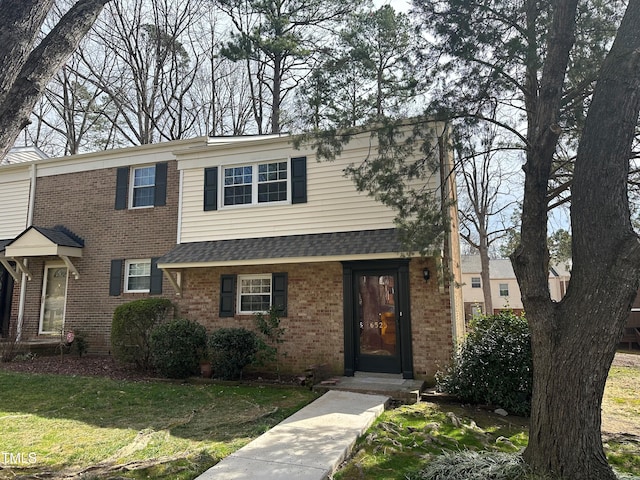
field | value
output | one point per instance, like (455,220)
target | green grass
(100,427)
(405,439)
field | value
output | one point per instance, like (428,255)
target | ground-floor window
(254,293)
(137,276)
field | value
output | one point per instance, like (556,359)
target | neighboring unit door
(54,299)
(6,292)
(377,331)
(377,317)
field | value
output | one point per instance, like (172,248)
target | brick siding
(314,327)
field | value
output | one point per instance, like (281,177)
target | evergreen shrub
(177,348)
(232,349)
(493,365)
(131,329)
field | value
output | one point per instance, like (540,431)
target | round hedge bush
(177,348)
(493,365)
(131,329)
(232,349)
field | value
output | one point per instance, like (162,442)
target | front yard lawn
(92,427)
(404,439)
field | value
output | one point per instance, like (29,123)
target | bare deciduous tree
(28,62)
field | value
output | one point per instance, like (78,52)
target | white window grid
(255,184)
(254,293)
(137,277)
(143,182)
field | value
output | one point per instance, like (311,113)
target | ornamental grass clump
(493,365)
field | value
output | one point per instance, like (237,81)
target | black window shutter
(115,278)
(299,180)
(211,188)
(227,295)
(155,286)
(122,188)
(279,292)
(160,190)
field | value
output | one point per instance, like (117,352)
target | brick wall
(314,331)
(314,328)
(84,203)
(430,319)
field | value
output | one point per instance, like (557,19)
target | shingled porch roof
(367,244)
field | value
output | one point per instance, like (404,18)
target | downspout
(23,280)
(180,187)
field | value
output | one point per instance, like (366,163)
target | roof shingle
(293,246)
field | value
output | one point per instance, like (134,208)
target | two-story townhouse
(241,224)
(95,226)
(262,224)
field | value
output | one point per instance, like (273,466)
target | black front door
(377,341)
(377,320)
(6,291)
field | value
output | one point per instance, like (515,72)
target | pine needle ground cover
(406,439)
(54,426)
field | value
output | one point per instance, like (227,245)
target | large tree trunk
(574,341)
(26,72)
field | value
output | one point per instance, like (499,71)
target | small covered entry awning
(40,242)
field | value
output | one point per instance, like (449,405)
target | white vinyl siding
(14,198)
(333,205)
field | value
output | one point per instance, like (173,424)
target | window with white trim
(143,182)
(137,276)
(256,183)
(254,293)
(475,282)
(504,289)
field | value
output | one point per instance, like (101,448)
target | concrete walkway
(309,445)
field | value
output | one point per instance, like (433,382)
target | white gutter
(23,283)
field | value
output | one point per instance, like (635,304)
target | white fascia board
(122,157)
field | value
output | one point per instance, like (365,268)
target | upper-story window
(278,181)
(475,282)
(141,186)
(504,289)
(257,183)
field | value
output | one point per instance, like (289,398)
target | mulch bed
(102,366)
(106,366)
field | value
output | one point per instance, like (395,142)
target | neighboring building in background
(226,227)
(505,292)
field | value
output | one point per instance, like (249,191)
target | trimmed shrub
(232,349)
(493,366)
(177,348)
(132,326)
